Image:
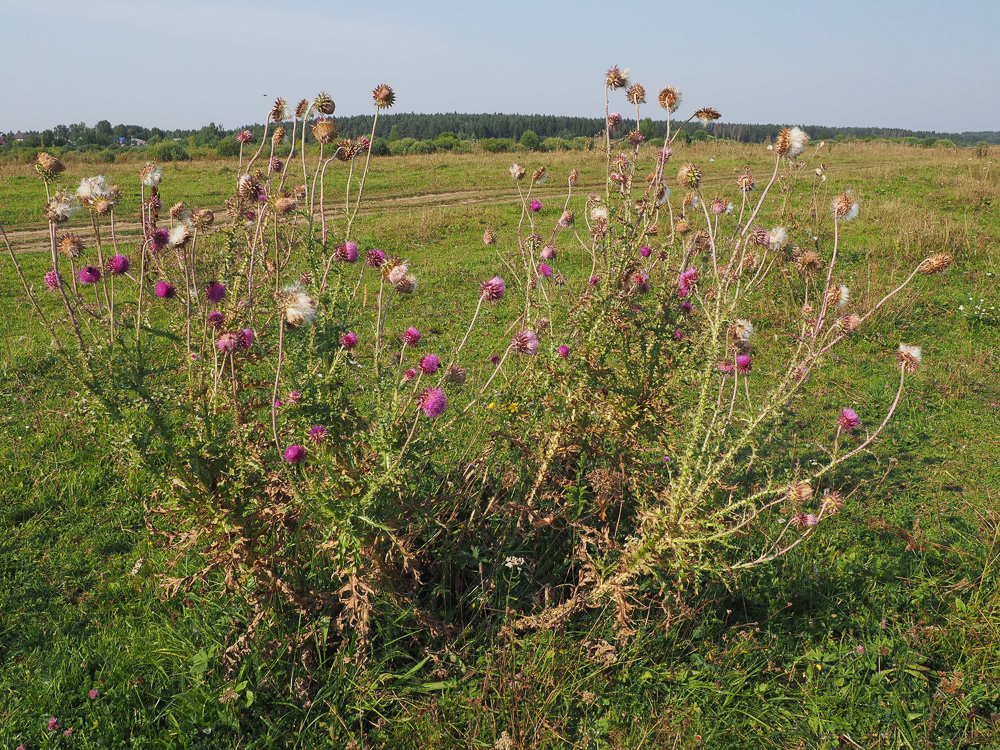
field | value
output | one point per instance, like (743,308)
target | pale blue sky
(917,64)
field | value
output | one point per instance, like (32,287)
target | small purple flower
(686,279)
(679,334)
(849,419)
(346,253)
(430,364)
(594,280)
(725,367)
(563,351)
(348,340)
(375,258)
(52,279)
(744,363)
(295,398)
(215,292)
(645,251)
(411,336)
(68,732)
(165,290)
(536,205)
(525,342)
(216,319)
(53,724)
(410,374)
(159,238)
(544,269)
(640,282)
(119,265)
(492,290)
(494,358)
(90,274)
(246,338)
(295,454)
(806,520)
(686,307)
(227,343)
(433,402)
(318,434)
(93,694)
(278,403)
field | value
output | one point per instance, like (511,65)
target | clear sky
(916,64)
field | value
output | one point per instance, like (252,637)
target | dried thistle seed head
(248,186)
(59,207)
(615,78)
(302,108)
(567,219)
(689,175)
(285,205)
(808,262)
(741,330)
(203,218)
(275,165)
(279,136)
(539,176)
(179,235)
(489,237)
(745,182)
(345,150)
(635,138)
(750,259)
(297,307)
(760,236)
(517,172)
(48,166)
(384,96)
(791,142)
(849,323)
(670,98)
(324,130)
(244,136)
(533,242)
(179,212)
(574,176)
(277,113)
(682,226)
(718,206)
(838,295)
(455,374)
(688,200)
(621,163)
(832,503)
(844,207)
(324,104)
(800,493)
(936,264)
(71,245)
(151,175)
(406,285)
(394,269)
(707,115)
(636,94)
(909,358)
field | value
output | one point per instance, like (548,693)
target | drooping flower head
(159,238)
(455,374)
(215,292)
(295,454)
(936,263)
(806,520)
(909,357)
(636,94)
(517,171)
(689,175)
(777,238)
(346,252)
(489,237)
(59,207)
(410,374)
(639,282)
(726,367)
(849,419)
(118,265)
(348,340)
(165,290)
(375,258)
(90,274)
(433,401)
(718,206)
(614,120)
(707,115)
(48,166)
(492,290)
(566,219)
(411,336)
(244,136)
(791,142)
(525,342)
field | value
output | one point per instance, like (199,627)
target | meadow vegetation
(623,518)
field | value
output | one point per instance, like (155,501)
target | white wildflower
(778,238)
(298,307)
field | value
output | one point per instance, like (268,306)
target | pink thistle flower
(410,374)
(278,403)
(215,292)
(52,279)
(318,434)
(525,342)
(614,120)
(679,334)
(348,340)
(686,307)
(244,136)
(160,238)
(411,336)
(246,338)
(563,351)
(346,253)
(594,280)
(663,155)
(295,454)
(68,732)
(118,265)
(548,252)
(494,359)
(90,274)
(806,520)
(544,269)
(93,694)
(295,398)
(848,419)
(725,367)
(744,363)
(375,258)
(719,206)
(686,280)
(429,364)
(165,290)
(53,724)
(216,319)
(536,205)
(227,343)
(492,290)
(640,282)
(645,251)
(433,402)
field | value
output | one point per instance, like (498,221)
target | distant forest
(427,133)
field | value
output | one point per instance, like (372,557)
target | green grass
(907,572)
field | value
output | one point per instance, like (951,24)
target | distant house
(20,136)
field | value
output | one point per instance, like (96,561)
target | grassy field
(880,632)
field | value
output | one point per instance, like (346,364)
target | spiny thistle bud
(277,113)
(275,165)
(539,176)
(203,218)
(615,78)
(297,307)
(533,242)
(689,175)
(620,163)
(791,142)
(849,323)
(248,187)
(936,264)
(707,115)
(745,182)
(517,172)
(489,237)
(760,236)
(808,262)
(844,207)
(346,252)
(636,94)
(324,104)
(670,99)
(525,342)
(832,503)
(71,245)
(800,493)
(302,108)
(279,136)
(455,374)
(682,226)
(345,150)
(908,357)
(285,205)
(48,166)
(614,120)
(383,96)
(324,130)
(406,285)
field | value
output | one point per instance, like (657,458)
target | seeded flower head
(384,96)
(689,175)
(325,130)
(324,104)
(493,289)
(540,175)
(808,262)
(297,307)
(707,115)
(517,172)
(670,98)
(71,245)
(936,264)
(791,142)
(909,358)
(277,113)
(745,182)
(48,166)
(800,493)
(489,237)
(615,78)
(567,219)
(151,175)
(844,207)
(636,94)
(59,207)
(179,235)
